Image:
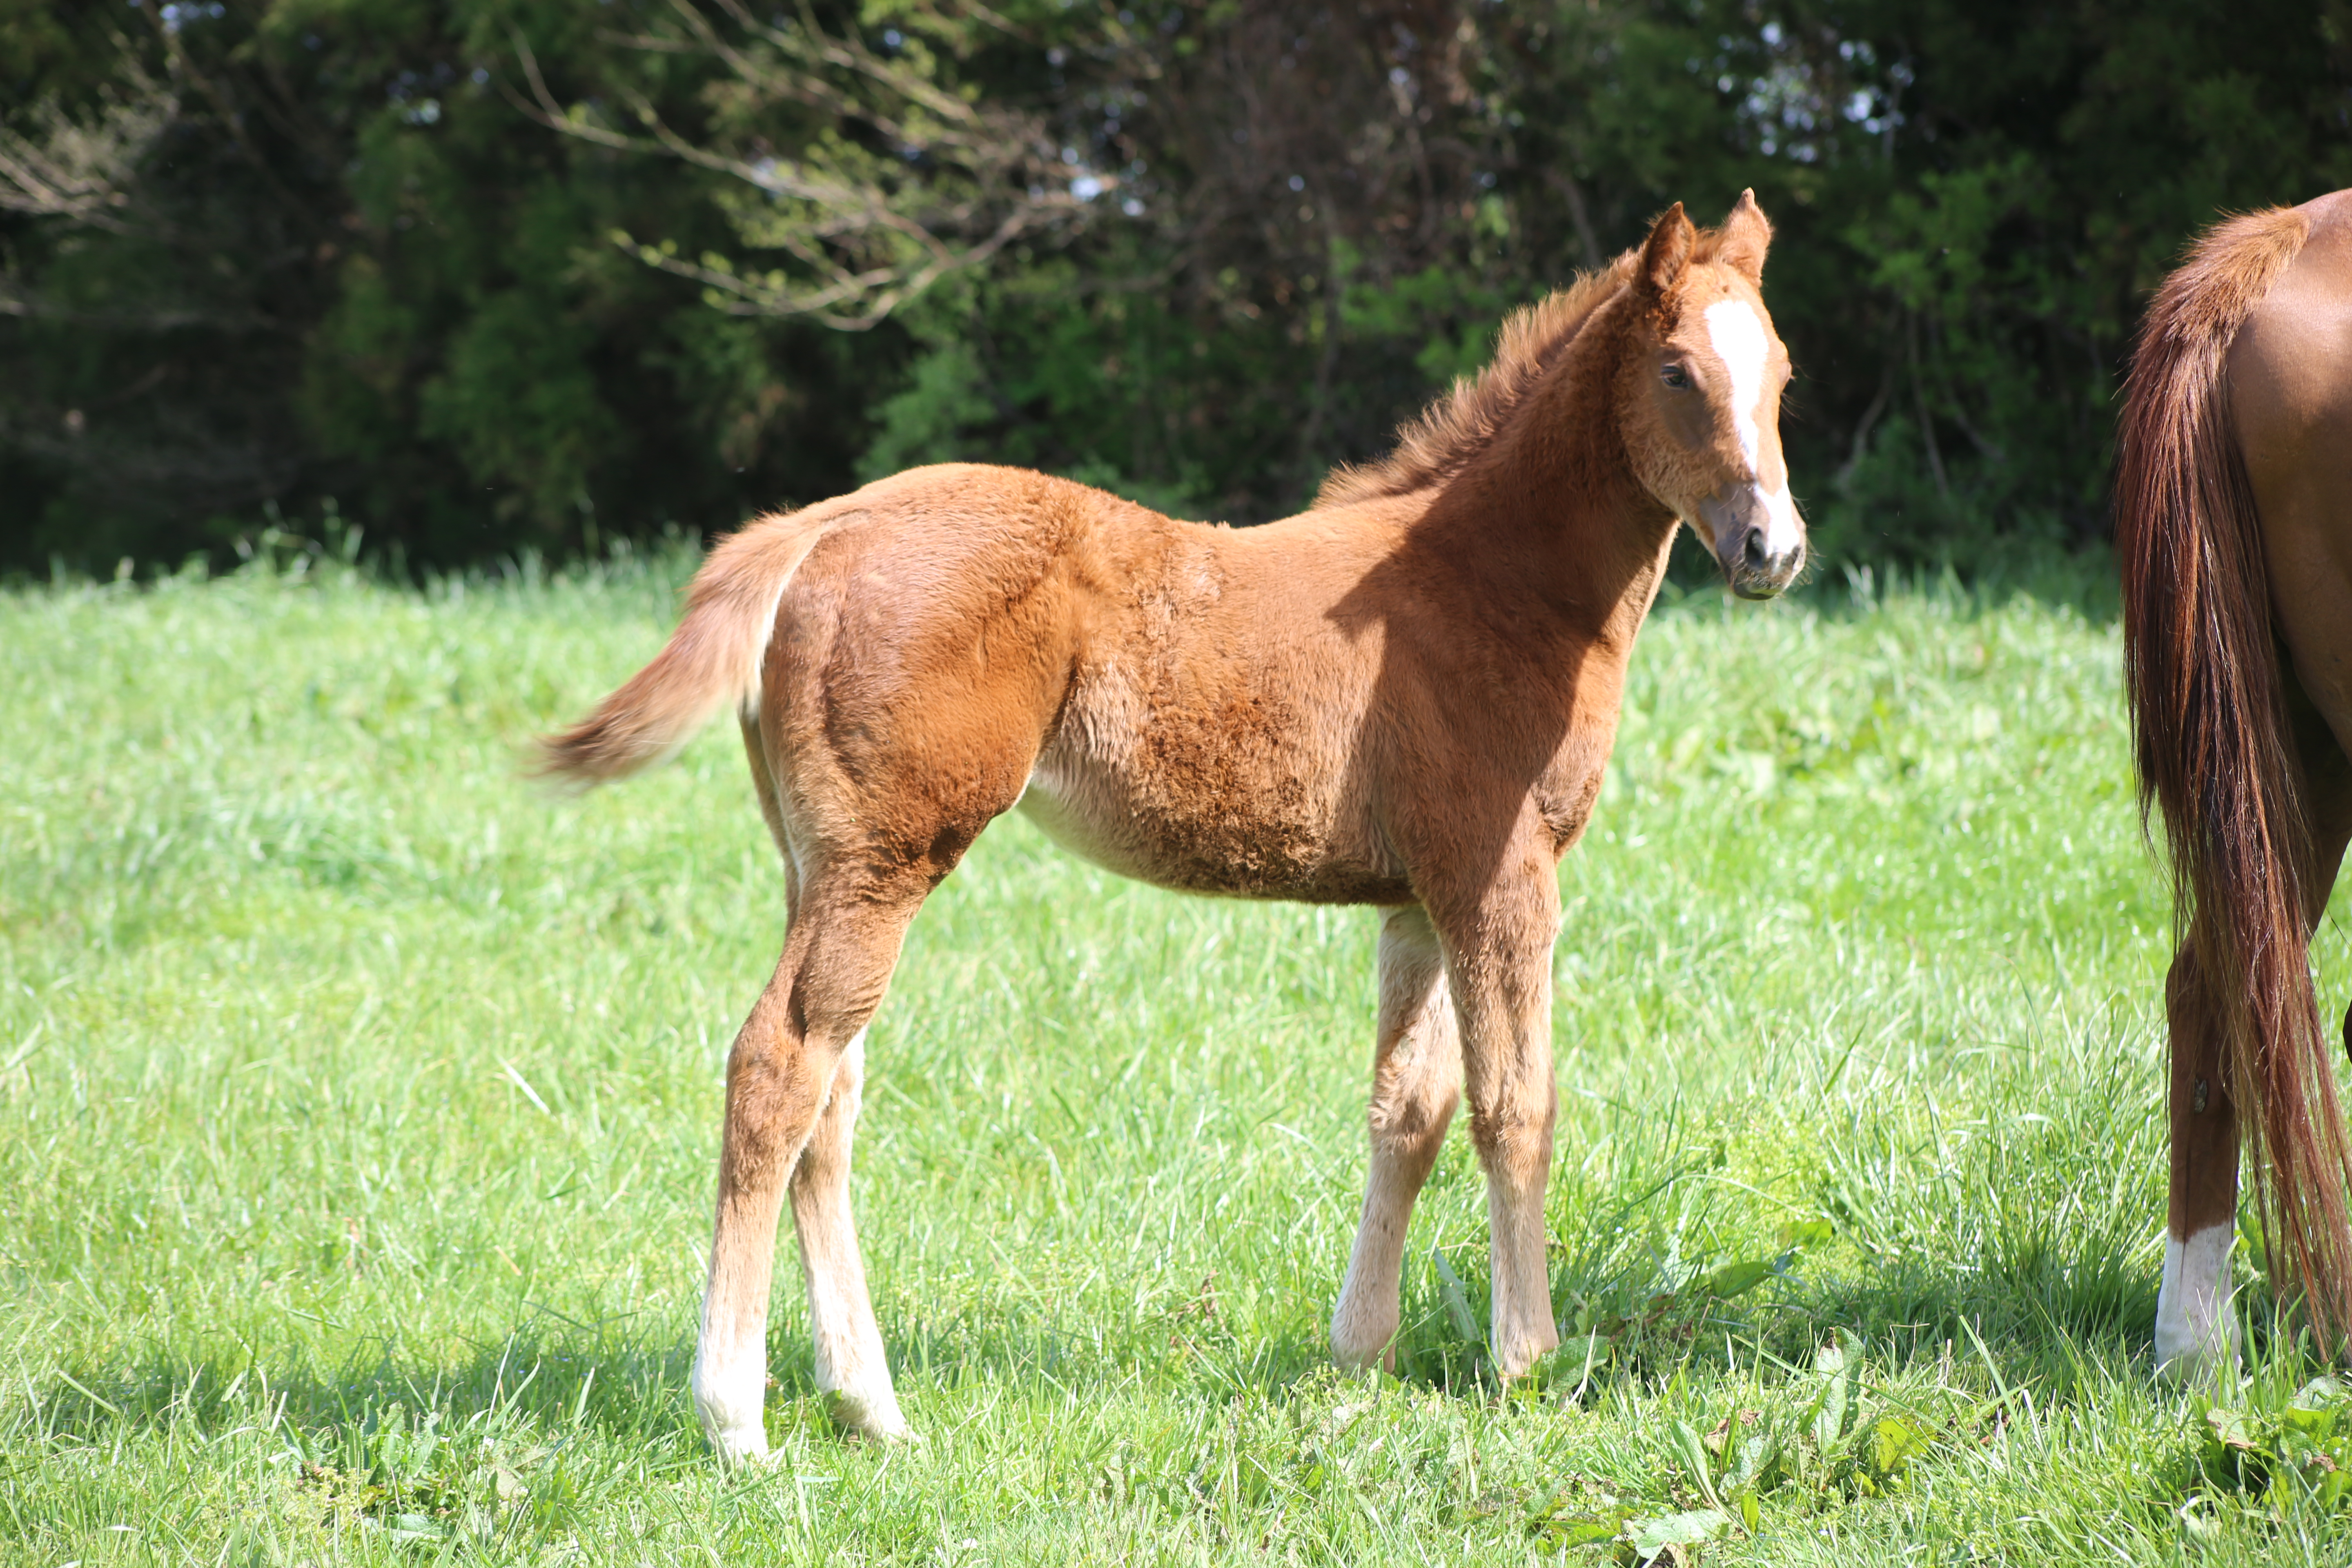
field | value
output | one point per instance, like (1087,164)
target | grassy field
(357,1112)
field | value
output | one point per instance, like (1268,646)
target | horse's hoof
(1367,1369)
(1519,1355)
(2200,1368)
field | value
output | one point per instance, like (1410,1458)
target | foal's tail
(2214,750)
(713,658)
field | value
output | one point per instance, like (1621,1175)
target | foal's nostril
(1751,553)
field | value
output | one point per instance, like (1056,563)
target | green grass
(359,1107)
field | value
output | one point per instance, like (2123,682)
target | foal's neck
(1550,511)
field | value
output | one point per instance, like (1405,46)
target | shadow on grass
(2041,1315)
(552,1380)
(545,1373)
(2043,1318)
(2031,1325)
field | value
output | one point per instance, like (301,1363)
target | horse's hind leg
(1416,1082)
(2194,1327)
(850,1365)
(786,1099)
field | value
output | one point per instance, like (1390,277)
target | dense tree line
(487,274)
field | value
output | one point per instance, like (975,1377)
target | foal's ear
(1667,251)
(1747,235)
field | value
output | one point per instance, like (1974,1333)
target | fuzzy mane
(1437,446)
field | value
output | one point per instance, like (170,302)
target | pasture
(359,1105)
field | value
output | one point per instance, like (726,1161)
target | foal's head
(1700,401)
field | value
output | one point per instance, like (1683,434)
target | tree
(337,268)
(1296,220)
(506,273)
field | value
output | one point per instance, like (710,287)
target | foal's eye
(1675,374)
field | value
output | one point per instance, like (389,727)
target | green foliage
(2286,1448)
(349,268)
(418,255)
(927,421)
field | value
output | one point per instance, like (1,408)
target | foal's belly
(1266,838)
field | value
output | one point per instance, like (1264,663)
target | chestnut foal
(1404,698)
(2233,521)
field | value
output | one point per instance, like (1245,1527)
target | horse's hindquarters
(2290,383)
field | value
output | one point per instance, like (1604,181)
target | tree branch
(867,229)
(81,171)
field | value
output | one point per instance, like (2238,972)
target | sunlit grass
(358,1109)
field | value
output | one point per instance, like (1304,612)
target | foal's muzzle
(1758,540)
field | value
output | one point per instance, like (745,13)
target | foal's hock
(1403,697)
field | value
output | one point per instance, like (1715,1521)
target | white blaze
(1736,330)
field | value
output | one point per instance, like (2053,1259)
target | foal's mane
(1436,446)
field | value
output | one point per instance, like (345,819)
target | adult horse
(2234,515)
(1403,697)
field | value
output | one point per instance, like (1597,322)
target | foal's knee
(1515,1139)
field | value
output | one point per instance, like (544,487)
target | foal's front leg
(1416,1082)
(1498,966)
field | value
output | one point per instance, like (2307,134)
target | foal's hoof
(1363,1339)
(873,1417)
(740,1447)
(1374,1355)
(1519,1355)
(736,1427)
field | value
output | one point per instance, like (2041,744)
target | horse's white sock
(2194,1326)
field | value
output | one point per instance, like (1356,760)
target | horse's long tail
(2215,751)
(712,659)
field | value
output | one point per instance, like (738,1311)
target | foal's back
(1309,710)
(1181,702)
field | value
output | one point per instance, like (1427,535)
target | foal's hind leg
(850,1364)
(1416,1082)
(783,1072)
(850,1367)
